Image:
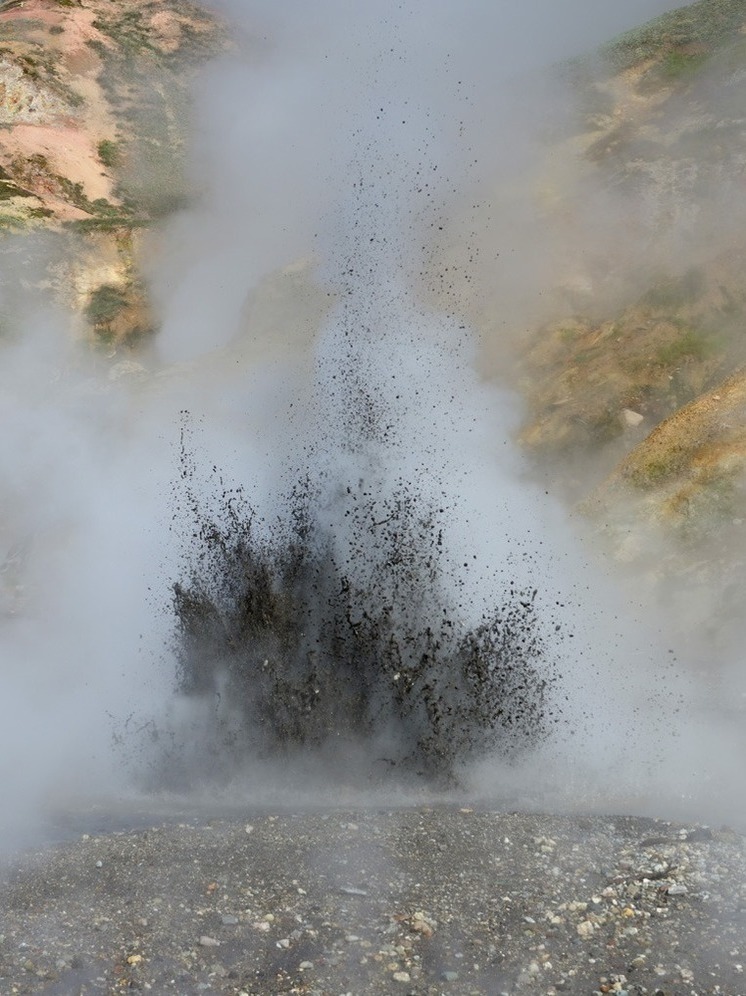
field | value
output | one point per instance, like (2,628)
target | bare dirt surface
(421,901)
(63,92)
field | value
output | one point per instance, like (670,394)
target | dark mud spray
(349,615)
(385,602)
(344,618)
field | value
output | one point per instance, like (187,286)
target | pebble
(208,942)
(228,920)
(402,977)
(677,890)
(631,418)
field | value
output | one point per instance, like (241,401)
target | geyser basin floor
(418,901)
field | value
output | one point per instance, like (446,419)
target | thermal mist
(342,153)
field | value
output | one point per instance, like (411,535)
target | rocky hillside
(93,107)
(636,391)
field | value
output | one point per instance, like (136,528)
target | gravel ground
(421,901)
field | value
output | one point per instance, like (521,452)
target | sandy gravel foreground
(419,901)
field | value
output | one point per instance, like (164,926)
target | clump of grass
(105,304)
(109,154)
(690,345)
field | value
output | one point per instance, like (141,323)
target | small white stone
(630,418)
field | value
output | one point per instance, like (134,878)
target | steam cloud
(364,143)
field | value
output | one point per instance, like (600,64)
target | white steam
(351,137)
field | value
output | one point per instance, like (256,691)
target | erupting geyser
(352,612)
(336,620)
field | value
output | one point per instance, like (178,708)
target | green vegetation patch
(9,188)
(677,63)
(110,223)
(109,154)
(105,304)
(129,32)
(690,344)
(680,37)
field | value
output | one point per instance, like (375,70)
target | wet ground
(425,900)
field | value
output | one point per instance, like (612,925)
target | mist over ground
(333,149)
